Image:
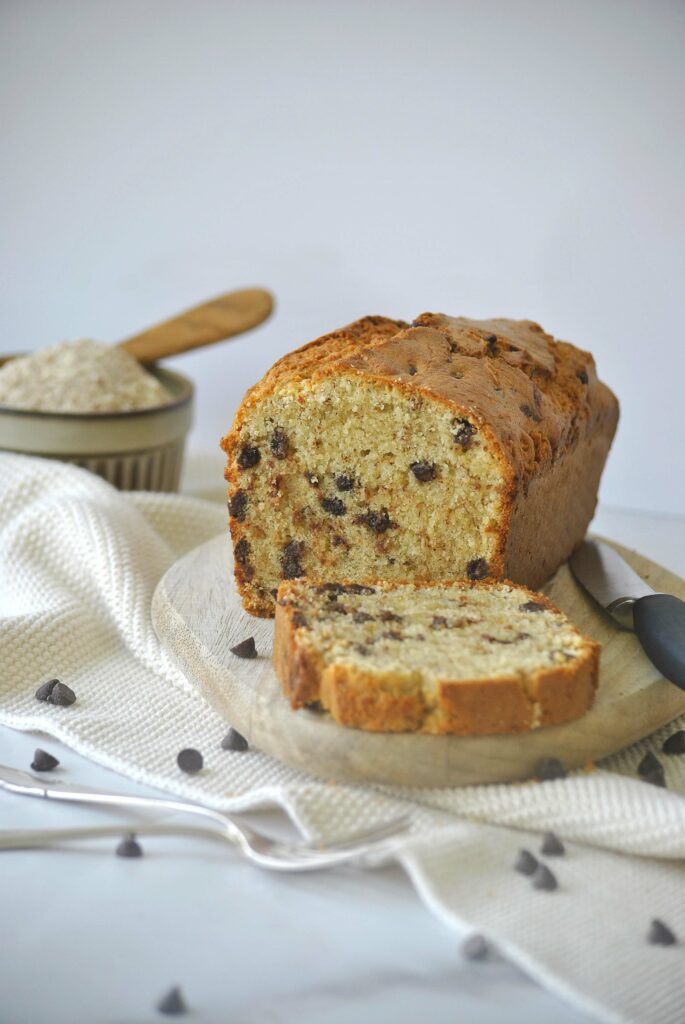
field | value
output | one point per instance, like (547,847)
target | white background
(513,158)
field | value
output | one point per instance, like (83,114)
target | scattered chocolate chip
(299,620)
(660,934)
(532,606)
(43,692)
(582,376)
(344,483)
(42,761)
(530,413)
(334,506)
(474,948)
(129,847)
(675,744)
(525,863)
(61,695)
(291,564)
(544,879)
(248,457)
(439,622)
(190,761)
(549,768)
(241,552)
(411,370)
(649,764)
(656,778)
(362,617)
(279,444)
(387,616)
(477,569)
(358,588)
(378,521)
(233,740)
(361,649)
(237,506)
(173,1004)
(245,649)
(552,846)
(423,471)
(491,342)
(464,433)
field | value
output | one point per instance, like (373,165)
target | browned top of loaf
(535,395)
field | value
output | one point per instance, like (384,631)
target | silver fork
(258,848)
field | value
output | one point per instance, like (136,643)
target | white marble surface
(86,937)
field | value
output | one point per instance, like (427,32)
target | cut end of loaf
(461,658)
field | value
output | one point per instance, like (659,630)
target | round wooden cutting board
(199,617)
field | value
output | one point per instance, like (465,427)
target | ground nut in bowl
(94,406)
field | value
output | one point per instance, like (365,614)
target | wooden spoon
(223,317)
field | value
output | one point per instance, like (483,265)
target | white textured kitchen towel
(78,565)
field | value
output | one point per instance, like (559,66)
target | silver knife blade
(609,579)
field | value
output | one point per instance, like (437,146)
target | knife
(657,619)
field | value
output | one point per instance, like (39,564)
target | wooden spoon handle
(212,321)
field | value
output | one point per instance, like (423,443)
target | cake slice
(448,449)
(465,658)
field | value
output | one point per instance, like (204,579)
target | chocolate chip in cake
(477,569)
(675,744)
(190,761)
(358,588)
(411,370)
(241,552)
(439,622)
(43,692)
(279,444)
(245,649)
(42,761)
(312,479)
(464,432)
(330,588)
(378,521)
(453,347)
(291,564)
(129,847)
(525,863)
(530,413)
(362,617)
(649,764)
(361,649)
(385,615)
(552,846)
(237,506)
(334,506)
(582,376)
(549,768)
(299,620)
(423,471)
(61,695)
(392,634)
(344,483)
(544,879)
(248,456)
(660,934)
(474,948)
(173,1004)
(233,740)
(491,342)
(532,606)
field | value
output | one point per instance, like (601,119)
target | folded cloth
(79,562)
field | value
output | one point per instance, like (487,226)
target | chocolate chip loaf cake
(447,449)
(465,658)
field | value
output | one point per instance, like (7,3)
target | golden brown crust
(538,403)
(379,702)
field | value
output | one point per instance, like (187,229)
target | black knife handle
(660,625)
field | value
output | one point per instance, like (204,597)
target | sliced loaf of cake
(466,658)
(447,449)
